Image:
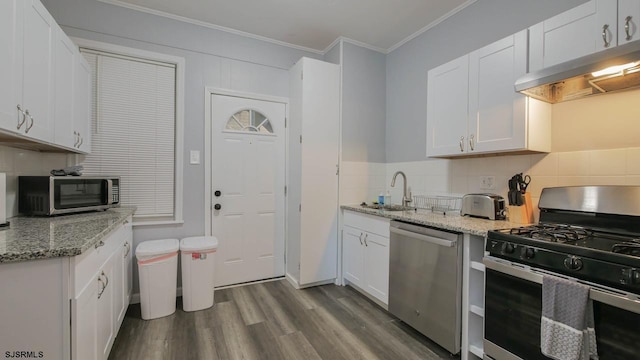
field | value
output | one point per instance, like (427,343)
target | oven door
(513,307)
(70,194)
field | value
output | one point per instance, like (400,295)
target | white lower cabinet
(365,254)
(473,272)
(84,323)
(98,309)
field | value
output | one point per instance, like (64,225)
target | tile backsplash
(16,162)
(363,181)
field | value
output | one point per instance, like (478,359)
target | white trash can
(158,274)
(197,258)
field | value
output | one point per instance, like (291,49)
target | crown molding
(209,25)
(286,44)
(431,25)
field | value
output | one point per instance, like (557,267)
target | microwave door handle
(109,191)
(600,295)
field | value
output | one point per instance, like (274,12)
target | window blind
(133,131)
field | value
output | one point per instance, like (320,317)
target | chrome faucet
(406,197)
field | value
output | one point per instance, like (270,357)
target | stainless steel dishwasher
(425,281)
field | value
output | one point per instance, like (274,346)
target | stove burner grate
(631,247)
(553,233)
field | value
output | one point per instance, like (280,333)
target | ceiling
(313,25)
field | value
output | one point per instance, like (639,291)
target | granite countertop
(30,238)
(453,222)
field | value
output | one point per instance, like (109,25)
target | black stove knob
(527,253)
(508,248)
(573,263)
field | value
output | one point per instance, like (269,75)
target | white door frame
(208,166)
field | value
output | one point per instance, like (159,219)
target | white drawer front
(369,223)
(85,265)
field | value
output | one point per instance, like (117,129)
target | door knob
(217,193)
(217,206)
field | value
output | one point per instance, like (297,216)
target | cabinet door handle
(471,142)
(128,247)
(24,117)
(99,244)
(461,143)
(605,28)
(102,284)
(627,27)
(365,239)
(26,131)
(360,237)
(106,278)
(75,135)
(81,140)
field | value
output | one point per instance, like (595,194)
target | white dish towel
(567,328)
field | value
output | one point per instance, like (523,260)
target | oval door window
(249,121)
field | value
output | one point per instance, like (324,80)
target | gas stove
(580,240)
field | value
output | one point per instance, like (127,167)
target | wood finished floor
(275,321)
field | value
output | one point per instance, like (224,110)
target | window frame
(179,63)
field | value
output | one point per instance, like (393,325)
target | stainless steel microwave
(54,195)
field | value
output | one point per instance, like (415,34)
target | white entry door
(248,172)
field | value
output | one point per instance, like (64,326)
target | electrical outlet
(487,182)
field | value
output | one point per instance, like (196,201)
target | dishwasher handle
(427,238)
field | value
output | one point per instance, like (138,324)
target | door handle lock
(217,206)
(217,193)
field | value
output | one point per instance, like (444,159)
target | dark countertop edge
(71,251)
(397,215)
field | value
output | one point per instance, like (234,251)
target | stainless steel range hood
(603,72)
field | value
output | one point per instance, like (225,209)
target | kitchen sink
(388,207)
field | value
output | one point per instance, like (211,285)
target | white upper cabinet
(82,105)
(472,107)
(628,20)
(65,52)
(37,92)
(497,114)
(11,13)
(583,30)
(447,107)
(40,100)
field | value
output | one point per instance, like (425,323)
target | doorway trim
(209,91)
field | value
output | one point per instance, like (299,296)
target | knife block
(522,214)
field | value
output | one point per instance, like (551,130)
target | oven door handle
(599,295)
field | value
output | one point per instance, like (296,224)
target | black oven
(513,305)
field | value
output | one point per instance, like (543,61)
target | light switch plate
(194,157)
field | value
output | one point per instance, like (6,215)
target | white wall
(213,58)
(363,104)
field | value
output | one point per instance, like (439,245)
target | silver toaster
(488,206)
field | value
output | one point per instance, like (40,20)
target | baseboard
(293,281)
(250,283)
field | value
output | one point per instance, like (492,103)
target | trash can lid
(199,243)
(157,247)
